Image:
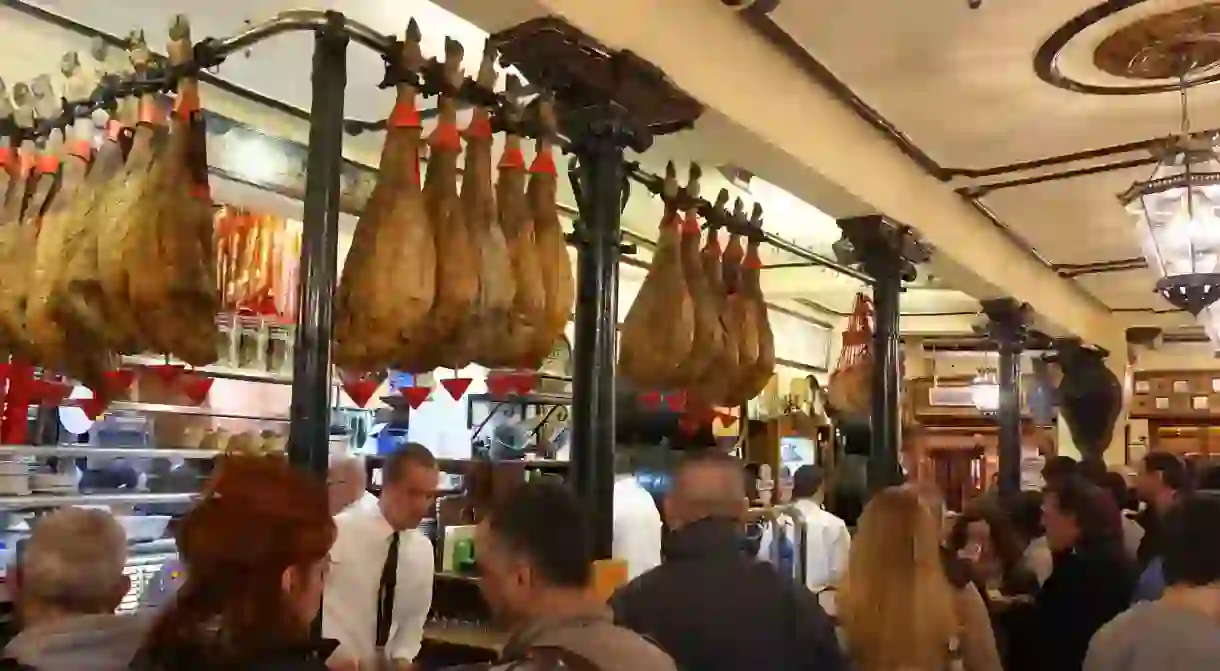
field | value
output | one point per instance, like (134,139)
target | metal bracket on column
(1008,326)
(889,252)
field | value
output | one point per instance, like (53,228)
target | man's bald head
(706,484)
(345,482)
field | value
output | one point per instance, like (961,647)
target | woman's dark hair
(258,518)
(1025,513)
(1003,536)
(1096,514)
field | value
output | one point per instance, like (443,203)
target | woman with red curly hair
(255,553)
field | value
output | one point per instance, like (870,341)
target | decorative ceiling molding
(1141,51)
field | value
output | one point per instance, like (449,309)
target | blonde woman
(898,609)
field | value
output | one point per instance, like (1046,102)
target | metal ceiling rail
(296,20)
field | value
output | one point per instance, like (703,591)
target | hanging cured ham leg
(457,270)
(56,237)
(717,381)
(497,285)
(740,310)
(118,211)
(393,246)
(763,368)
(173,305)
(11,231)
(76,298)
(548,235)
(40,183)
(515,220)
(658,331)
(707,348)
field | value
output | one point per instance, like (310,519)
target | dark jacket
(1084,592)
(714,608)
(309,657)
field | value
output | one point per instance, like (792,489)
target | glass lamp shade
(985,392)
(1178,211)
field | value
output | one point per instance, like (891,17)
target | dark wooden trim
(1150,311)
(779,38)
(785,43)
(1115,266)
(1012,235)
(979,190)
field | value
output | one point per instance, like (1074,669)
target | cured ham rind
(529,301)
(24,210)
(742,313)
(167,265)
(393,247)
(763,368)
(707,348)
(119,208)
(489,318)
(75,298)
(649,354)
(718,381)
(457,272)
(558,284)
(56,236)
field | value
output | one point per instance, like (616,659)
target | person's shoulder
(418,548)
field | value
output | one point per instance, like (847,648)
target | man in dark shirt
(711,606)
(1161,478)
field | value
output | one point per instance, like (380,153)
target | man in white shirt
(827,540)
(637,522)
(379,589)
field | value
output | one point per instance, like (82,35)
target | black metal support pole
(883,466)
(601,178)
(311,381)
(1008,415)
(1007,326)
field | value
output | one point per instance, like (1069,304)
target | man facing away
(1180,631)
(827,540)
(67,584)
(711,606)
(535,564)
(379,589)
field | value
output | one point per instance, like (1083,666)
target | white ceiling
(961,84)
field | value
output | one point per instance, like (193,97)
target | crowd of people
(1052,580)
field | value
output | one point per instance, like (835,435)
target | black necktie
(385,592)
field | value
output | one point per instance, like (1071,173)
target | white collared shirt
(827,543)
(637,527)
(349,605)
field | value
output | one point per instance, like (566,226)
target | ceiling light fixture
(985,391)
(1178,210)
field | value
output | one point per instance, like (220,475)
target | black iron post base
(309,429)
(889,253)
(1008,326)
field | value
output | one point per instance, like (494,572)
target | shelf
(221,372)
(86,451)
(189,410)
(55,500)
